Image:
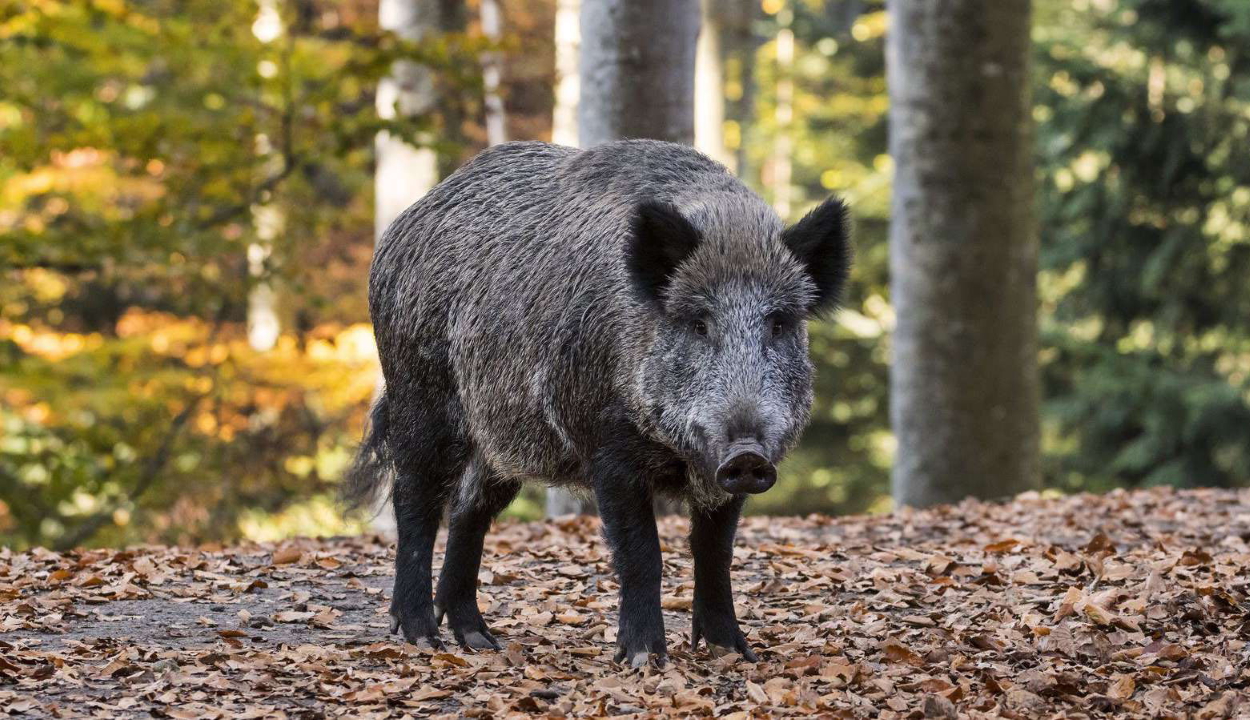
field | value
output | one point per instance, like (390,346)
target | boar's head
(726,379)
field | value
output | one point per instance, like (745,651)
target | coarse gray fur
(504,305)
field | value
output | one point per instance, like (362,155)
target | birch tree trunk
(404,172)
(709,86)
(963,251)
(568,45)
(492,74)
(263,324)
(783,144)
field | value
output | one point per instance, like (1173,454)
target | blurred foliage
(173,429)
(837,136)
(1143,109)
(138,139)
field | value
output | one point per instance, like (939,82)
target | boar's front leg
(625,504)
(712,544)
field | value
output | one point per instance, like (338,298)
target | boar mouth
(745,469)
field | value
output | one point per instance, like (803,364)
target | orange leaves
(287,555)
(854,616)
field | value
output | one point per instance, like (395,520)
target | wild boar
(629,319)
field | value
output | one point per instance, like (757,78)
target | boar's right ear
(821,241)
(660,238)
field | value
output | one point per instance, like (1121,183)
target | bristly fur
(659,240)
(507,302)
(617,319)
(821,241)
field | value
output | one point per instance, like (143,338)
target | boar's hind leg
(457,583)
(712,544)
(428,463)
(625,503)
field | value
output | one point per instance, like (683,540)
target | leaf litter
(1132,604)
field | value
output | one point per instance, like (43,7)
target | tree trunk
(963,251)
(568,46)
(709,86)
(492,73)
(404,173)
(564,132)
(637,70)
(742,44)
(636,80)
(263,324)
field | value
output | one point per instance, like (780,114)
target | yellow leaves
(870,25)
(47,344)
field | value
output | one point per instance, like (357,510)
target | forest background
(187,212)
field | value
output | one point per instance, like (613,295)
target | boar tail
(372,471)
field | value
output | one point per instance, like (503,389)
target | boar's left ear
(660,239)
(821,242)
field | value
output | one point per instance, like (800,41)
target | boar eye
(777,325)
(700,327)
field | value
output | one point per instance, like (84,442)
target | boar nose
(744,424)
(745,469)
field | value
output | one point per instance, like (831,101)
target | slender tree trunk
(709,86)
(637,70)
(564,132)
(404,172)
(963,251)
(568,47)
(636,80)
(492,73)
(451,17)
(263,324)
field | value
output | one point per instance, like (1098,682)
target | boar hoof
(423,635)
(477,640)
(720,651)
(468,627)
(728,642)
(640,657)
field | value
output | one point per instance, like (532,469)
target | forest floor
(1129,604)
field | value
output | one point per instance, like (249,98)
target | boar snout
(745,469)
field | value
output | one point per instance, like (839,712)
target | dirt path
(1128,604)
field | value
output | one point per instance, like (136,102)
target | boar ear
(660,239)
(821,242)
